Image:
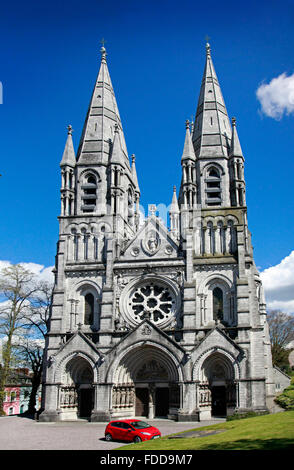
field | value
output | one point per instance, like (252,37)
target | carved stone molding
(216,267)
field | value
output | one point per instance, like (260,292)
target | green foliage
(286,399)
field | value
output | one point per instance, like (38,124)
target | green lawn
(268,432)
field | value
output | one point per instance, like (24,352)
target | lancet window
(218,303)
(89,309)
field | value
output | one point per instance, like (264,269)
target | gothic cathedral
(148,320)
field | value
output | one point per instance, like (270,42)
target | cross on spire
(103,42)
(103,50)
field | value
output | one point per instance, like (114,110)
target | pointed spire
(188,152)
(102,116)
(235,150)
(174,208)
(212,130)
(68,158)
(134,174)
(116,153)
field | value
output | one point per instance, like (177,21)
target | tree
(30,353)
(33,346)
(281,329)
(20,294)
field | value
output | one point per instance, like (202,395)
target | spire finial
(133,156)
(175,188)
(207,46)
(234,121)
(69,129)
(187,124)
(103,50)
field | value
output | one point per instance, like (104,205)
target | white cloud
(42,273)
(277,97)
(278,283)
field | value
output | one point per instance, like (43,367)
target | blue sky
(156,52)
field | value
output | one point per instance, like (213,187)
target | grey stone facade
(148,320)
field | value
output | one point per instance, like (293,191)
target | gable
(78,342)
(148,332)
(218,340)
(153,240)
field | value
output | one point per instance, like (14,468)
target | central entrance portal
(146,384)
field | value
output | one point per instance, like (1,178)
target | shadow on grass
(248,444)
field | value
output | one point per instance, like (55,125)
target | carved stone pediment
(153,239)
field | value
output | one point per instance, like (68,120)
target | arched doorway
(77,393)
(217,386)
(146,384)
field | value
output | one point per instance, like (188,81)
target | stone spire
(67,165)
(212,130)
(99,126)
(187,195)
(174,208)
(68,158)
(188,152)
(235,150)
(174,216)
(117,156)
(134,174)
(236,166)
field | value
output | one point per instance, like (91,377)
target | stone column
(52,412)
(102,400)
(188,411)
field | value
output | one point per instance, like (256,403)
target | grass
(268,432)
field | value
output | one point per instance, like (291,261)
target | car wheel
(108,437)
(137,439)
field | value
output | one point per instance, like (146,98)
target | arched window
(218,304)
(89,309)
(213,187)
(89,193)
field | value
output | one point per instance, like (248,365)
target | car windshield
(140,424)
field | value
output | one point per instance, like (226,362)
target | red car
(130,430)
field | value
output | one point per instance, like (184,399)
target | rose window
(152,301)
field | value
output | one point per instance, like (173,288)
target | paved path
(20,433)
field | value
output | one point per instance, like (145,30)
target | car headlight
(146,433)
